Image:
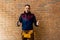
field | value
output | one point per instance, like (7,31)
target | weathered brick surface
(47,11)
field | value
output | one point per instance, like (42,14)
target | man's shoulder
(33,14)
(22,14)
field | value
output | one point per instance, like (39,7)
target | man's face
(27,9)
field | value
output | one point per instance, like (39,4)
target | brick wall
(47,11)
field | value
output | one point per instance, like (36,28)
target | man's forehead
(26,6)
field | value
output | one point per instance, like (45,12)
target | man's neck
(27,12)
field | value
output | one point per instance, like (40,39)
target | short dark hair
(27,5)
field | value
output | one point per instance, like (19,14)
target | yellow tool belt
(27,33)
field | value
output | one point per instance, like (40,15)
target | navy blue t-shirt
(27,20)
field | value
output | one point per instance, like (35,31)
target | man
(27,19)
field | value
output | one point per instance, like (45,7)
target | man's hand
(18,23)
(37,23)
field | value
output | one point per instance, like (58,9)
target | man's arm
(19,21)
(36,23)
